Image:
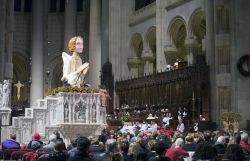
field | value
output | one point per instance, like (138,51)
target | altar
(68,113)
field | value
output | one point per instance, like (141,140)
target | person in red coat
(244,143)
(175,152)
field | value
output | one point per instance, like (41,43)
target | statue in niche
(80,115)
(6,93)
(80,112)
(73,70)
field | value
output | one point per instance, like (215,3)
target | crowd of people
(139,141)
(140,144)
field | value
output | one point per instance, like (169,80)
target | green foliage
(240,63)
(73,90)
(230,117)
(126,118)
(108,117)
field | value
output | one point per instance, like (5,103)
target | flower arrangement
(231,120)
(108,117)
(112,121)
(126,117)
(73,90)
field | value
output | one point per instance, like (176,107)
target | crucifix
(18,85)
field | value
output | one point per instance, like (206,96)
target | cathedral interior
(151,55)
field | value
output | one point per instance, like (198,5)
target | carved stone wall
(5,111)
(68,113)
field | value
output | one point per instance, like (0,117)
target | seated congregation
(159,144)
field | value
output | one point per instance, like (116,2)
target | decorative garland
(242,60)
(73,90)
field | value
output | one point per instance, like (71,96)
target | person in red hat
(35,143)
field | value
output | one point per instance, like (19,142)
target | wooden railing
(185,87)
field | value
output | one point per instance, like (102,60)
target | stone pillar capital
(133,62)
(147,55)
(191,42)
(169,49)
(192,45)
(170,53)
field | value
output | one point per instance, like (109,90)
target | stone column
(210,49)
(6,39)
(97,116)
(69,22)
(125,15)
(105,31)
(7,56)
(192,46)
(94,43)
(36,90)
(148,58)
(98,106)
(133,63)
(115,35)
(161,30)
(2,37)
(9,40)
(87,113)
(70,112)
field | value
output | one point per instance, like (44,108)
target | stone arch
(21,72)
(197,25)
(150,38)
(177,31)
(137,44)
(137,48)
